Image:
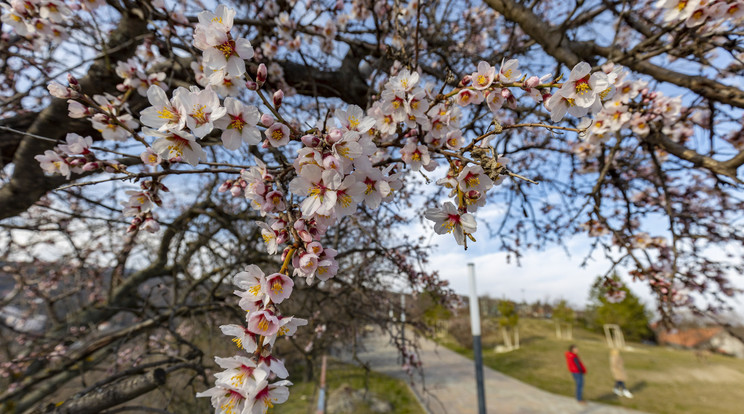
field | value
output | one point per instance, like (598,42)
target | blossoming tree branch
(286,148)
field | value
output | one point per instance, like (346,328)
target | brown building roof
(688,338)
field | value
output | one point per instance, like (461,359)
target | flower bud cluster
(223,57)
(711,16)
(633,107)
(244,385)
(352,159)
(582,94)
(40,20)
(138,72)
(73,157)
(140,205)
(108,114)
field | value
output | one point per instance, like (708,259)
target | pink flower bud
(236,190)
(91,166)
(546,97)
(473,194)
(299,225)
(136,221)
(253,86)
(532,82)
(285,253)
(331,163)
(282,237)
(267,120)
(278,98)
(59,91)
(314,248)
(465,80)
(506,93)
(265,144)
(334,136)
(151,225)
(156,199)
(72,80)
(224,186)
(311,141)
(75,162)
(261,74)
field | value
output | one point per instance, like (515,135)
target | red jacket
(574,363)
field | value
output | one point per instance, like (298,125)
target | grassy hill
(663,380)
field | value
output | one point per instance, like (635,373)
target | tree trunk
(309,362)
(507,339)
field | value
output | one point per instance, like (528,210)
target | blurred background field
(663,380)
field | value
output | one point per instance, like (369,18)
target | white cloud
(550,273)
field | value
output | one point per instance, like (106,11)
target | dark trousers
(579,379)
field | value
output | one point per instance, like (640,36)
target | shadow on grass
(611,396)
(531,339)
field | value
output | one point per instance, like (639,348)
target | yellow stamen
(344,200)
(199,115)
(166,113)
(238,342)
(237,123)
(267,402)
(353,122)
(254,290)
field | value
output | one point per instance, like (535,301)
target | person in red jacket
(577,370)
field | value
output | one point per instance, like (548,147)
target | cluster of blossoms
(223,57)
(73,157)
(139,72)
(192,113)
(141,203)
(40,20)
(633,107)
(334,174)
(582,94)
(243,386)
(342,163)
(108,114)
(289,35)
(710,14)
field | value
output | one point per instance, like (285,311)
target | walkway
(450,385)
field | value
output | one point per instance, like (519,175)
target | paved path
(450,384)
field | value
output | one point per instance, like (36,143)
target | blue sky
(550,274)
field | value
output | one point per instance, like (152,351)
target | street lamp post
(475,326)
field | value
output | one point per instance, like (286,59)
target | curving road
(449,384)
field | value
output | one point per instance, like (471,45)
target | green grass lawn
(663,380)
(303,395)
